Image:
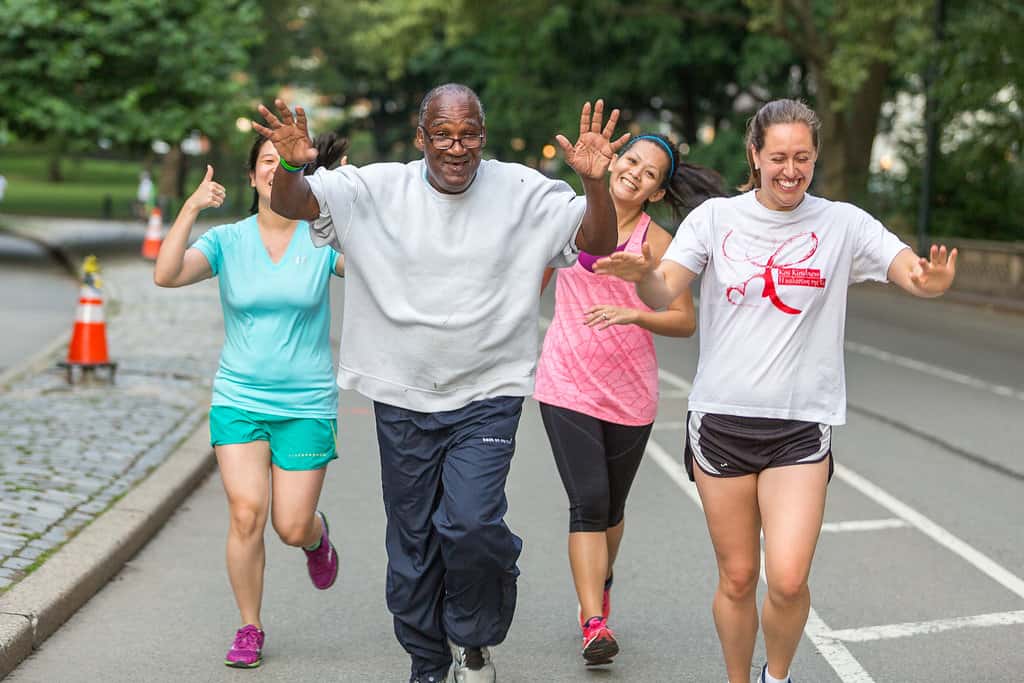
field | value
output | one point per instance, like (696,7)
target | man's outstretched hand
(289,134)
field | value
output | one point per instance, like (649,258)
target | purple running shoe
(247,650)
(322,563)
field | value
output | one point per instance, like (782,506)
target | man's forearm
(600,225)
(291,197)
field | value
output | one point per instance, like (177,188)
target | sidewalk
(69,455)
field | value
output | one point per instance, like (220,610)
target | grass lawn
(88,184)
(92,188)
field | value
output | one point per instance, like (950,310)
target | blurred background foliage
(93,91)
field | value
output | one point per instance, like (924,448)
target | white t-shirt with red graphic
(773,302)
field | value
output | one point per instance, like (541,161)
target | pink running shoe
(599,644)
(322,563)
(247,650)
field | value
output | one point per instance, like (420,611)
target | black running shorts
(732,446)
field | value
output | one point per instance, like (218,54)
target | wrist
(290,167)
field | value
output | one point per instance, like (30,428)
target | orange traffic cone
(88,347)
(154,235)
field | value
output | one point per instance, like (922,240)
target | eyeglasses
(444,141)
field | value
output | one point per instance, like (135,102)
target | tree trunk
(54,172)
(832,157)
(170,169)
(861,128)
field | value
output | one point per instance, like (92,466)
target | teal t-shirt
(277,348)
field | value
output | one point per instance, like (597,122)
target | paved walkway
(67,453)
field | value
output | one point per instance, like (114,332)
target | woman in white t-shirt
(776,264)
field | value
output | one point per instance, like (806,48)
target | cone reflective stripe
(89,338)
(154,235)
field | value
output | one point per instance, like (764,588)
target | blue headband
(671,157)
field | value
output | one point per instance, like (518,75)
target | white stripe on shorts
(824,444)
(693,427)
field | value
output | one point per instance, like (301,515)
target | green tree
(853,50)
(127,71)
(979,175)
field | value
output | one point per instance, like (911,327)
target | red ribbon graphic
(769,265)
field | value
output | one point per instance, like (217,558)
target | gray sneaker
(471,665)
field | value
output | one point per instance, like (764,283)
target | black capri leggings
(597,461)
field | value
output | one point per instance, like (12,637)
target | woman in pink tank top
(597,377)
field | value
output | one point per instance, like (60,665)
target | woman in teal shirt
(273,416)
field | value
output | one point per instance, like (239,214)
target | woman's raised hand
(209,193)
(627,266)
(935,274)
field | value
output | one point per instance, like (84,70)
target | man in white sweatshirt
(443,261)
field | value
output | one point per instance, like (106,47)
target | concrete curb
(37,606)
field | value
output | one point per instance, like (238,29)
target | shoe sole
(243,665)
(600,651)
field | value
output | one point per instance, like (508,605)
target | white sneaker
(471,665)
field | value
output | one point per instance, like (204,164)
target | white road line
(887,631)
(674,469)
(863,525)
(835,653)
(675,380)
(934,370)
(982,562)
(674,394)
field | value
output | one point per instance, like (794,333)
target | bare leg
(614,539)
(588,559)
(730,506)
(245,473)
(296,494)
(792,502)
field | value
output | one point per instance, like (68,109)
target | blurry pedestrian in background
(144,195)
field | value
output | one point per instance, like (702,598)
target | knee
(246,520)
(292,532)
(738,582)
(787,589)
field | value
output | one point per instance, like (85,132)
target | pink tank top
(609,374)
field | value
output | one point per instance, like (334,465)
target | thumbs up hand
(209,193)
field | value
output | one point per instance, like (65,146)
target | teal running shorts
(296,443)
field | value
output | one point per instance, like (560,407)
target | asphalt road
(37,300)
(918,575)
